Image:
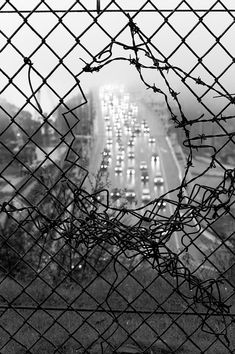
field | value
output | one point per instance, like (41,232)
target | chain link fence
(81,273)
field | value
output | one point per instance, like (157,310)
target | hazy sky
(26,41)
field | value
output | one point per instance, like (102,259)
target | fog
(26,42)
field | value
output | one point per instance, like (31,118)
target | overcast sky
(94,40)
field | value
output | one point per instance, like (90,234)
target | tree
(30,128)
(7,132)
(12,248)
(224,228)
(75,116)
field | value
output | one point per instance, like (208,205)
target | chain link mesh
(80,274)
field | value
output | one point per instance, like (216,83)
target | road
(131,135)
(135,152)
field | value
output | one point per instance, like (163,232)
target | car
(152,140)
(158,180)
(144,176)
(130,171)
(119,158)
(131,155)
(155,157)
(117,125)
(129,130)
(115,194)
(108,128)
(161,204)
(106,160)
(99,197)
(121,148)
(106,152)
(130,194)
(121,152)
(143,165)
(145,195)
(144,123)
(137,128)
(118,134)
(133,135)
(130,142)
(109,141)
(160,232)
(118,140)
(146,130)
(106,118)
(104,166)
(133,119)
(118,169)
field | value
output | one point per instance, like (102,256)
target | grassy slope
(47,330)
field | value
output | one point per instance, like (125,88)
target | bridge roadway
(188,237)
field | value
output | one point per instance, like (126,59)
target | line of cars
(120,120)
(125,130)
(122,131)
(158,181)
(106,158)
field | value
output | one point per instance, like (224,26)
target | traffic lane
(154,121)
(167,167)
(123,180)
(143,152)
(100,139)
(189,238)
(166,162)
(172,178)
(172,182)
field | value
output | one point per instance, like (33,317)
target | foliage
(7,133)
(12,248)
(49,239)
(75,111)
